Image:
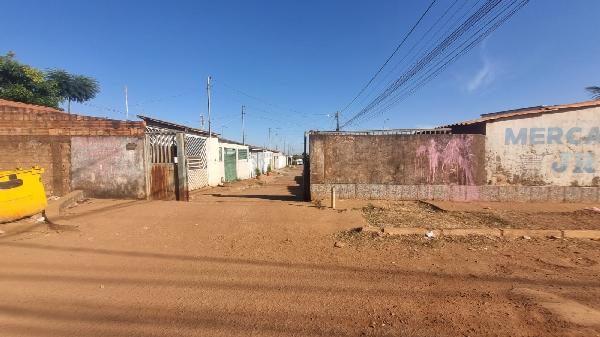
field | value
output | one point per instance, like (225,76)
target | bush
(257,172)
(269,169)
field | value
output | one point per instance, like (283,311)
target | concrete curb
(507,233)
(56,208)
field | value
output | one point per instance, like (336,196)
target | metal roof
(385,132)
(170,125)
(536,110)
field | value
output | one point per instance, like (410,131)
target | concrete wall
(517,193)
(561,149)
(216,167)
(280,161)
(397,159)
(108,167)
(52,153)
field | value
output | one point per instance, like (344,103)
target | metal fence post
(182,180)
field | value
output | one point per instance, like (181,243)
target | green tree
(23,83)
(595,91)
(76,88)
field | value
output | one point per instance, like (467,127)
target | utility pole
(269,138)
(208,85)
(243,133)
(337,121)
(126,105)
(201,121)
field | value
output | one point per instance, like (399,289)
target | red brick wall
(35,135)
(51,153)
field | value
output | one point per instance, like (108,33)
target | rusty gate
(163,169)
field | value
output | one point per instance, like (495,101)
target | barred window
(242,154)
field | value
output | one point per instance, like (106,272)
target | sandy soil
(494,215)
(256,261)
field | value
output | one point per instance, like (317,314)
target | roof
(438,130)
(12,106)
(535,110)
(174,126)
(225,140)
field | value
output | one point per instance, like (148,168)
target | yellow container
(21,193)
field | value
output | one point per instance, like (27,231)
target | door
(230,160)
(163,170)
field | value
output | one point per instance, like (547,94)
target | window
(242,154)
(220,154)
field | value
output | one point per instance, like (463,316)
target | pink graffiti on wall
(455,157)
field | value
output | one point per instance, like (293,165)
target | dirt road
(254,261)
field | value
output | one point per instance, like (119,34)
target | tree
(23,83)
(595,91)
(76,88)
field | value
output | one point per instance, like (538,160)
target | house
(556,145)
(209,159)
(103,157)
(234,162)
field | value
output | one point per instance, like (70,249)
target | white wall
(279,161)
(216,173)
(215,167)
(560,148)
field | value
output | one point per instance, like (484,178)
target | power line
(230,87)
(424,63)
(467,45)
(391,56)
(418,42)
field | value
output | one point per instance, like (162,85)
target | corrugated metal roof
(170,125)
(488,117)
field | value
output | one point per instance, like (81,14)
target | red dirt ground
(256,261)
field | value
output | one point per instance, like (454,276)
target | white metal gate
(197,161)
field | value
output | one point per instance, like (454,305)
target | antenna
(126,105)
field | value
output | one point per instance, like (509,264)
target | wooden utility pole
(208,85)
(243,133)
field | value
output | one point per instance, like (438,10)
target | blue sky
(302,59)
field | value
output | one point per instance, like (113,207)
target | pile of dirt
(422,214)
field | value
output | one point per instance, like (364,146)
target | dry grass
(422,214)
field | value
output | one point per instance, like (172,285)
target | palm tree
(76,88)
(595,91)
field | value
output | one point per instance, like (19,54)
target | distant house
(234,159)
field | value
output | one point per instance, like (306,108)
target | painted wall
(397,159)
(279,161)
(216,167)
(108,167)
(561,149)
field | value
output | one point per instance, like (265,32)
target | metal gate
(197,163)
(230,161)
(163,170)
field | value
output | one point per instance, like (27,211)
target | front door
(230,161)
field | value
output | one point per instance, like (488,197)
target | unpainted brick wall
(50,153)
